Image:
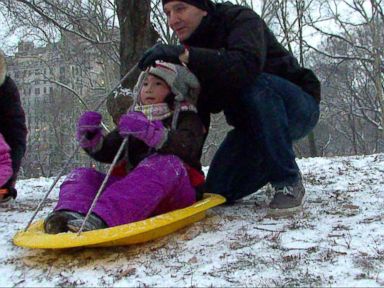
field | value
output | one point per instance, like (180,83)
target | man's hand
(164,52)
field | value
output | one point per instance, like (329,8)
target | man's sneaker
(287,198)
(94,222)
(57,221)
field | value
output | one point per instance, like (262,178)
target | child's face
(154,90)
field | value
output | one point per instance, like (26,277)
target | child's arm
(5,162)
(107,149)
(90,136)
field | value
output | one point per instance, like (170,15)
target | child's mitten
(89,130)
(137,124)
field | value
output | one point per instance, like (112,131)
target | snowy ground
(338,240)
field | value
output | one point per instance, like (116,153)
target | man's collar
(202,32)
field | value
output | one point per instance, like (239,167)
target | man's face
(183,18)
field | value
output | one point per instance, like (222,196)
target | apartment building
(50,79)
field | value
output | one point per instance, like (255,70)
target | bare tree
(91,26)
(356,49)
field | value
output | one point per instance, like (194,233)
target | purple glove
(5,162)
(89,130)
(136,124)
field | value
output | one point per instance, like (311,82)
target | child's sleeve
(187,140)
(108,148)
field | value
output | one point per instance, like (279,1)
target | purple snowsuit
(158,183)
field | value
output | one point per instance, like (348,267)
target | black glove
(164,52)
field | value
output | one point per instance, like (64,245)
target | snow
(337,240)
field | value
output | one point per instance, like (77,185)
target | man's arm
(235,66)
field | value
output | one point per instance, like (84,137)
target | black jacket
(186,142)
(228,51)
(12,123)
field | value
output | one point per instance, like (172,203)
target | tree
(97,25)
(355,51)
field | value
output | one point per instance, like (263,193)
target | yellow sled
(132,233)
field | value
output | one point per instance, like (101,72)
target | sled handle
(40,205)
(117,157)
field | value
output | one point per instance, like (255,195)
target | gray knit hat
(183,83)
(3,67)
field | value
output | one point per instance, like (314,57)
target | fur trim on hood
(3,67)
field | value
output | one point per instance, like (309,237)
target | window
(37,91)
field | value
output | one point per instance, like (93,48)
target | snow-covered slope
(337,240)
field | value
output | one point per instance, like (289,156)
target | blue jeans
(274,112)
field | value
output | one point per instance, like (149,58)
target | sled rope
(40,205)
(106,178)
(117,156)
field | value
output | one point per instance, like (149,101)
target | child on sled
(164,148)
(13,133)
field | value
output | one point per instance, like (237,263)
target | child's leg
(79,189)
(76,196)
(159,184)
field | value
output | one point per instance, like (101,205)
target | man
(12,127)
(266,96)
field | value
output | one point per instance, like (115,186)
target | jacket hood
(3,67)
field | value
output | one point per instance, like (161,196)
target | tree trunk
(312,144)
(136,35)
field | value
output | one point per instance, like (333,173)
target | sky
(9,43)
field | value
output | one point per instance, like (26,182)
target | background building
(55,81)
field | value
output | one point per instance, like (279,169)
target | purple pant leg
(79,189)
(159,184)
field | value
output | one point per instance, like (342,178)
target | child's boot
(57,221)
(94,222)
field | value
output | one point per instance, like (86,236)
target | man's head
(185,16)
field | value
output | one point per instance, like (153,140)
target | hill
(337,240)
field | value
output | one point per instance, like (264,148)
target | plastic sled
(132,233)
